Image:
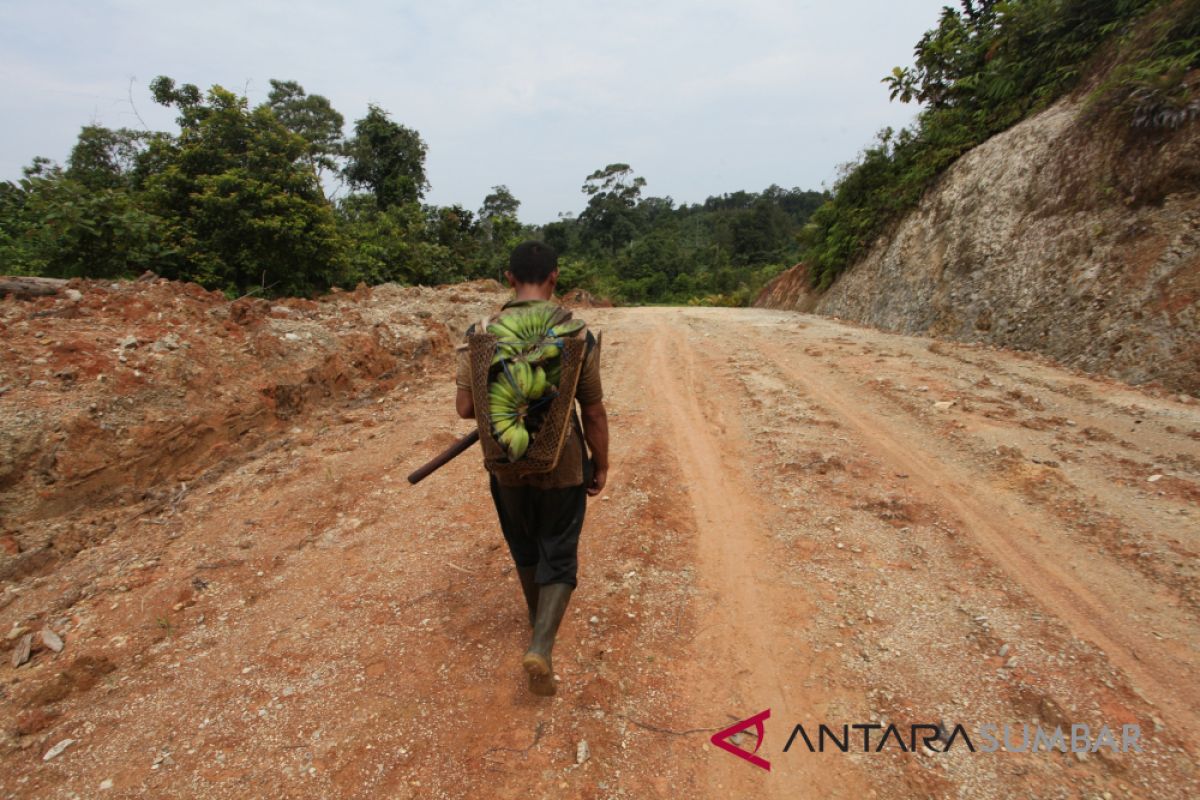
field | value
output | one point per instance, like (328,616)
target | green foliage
(55,225)
(84,232)
(648,250)
(108,159)
(390,244)
(455,229)
(387,159)
(234,201)
(499,230)
(17,251)
(240,203)
(499,225)
(1155,86)
(313,118)
(985,67)
(609,219)
(500,205)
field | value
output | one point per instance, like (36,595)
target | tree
(500,204)
(498,225)
(387,159)
(186,99)
(563,234)
(312,117)
(240,199)
(759,234)
(957,49)
(656,253)
(613,194)
(54,225)
(384,245)
(16,231)
(454,228)
(107,159)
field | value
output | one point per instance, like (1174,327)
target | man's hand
(464,404)
(599,478)
(595,432)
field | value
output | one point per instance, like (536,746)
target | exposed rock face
(1058,236)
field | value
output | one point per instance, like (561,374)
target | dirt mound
(582,298)
(113,391)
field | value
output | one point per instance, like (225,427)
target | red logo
(721,739)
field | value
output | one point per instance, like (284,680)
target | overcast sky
(699,97)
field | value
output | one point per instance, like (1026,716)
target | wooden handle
(444,457)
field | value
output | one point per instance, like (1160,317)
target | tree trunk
(23,288)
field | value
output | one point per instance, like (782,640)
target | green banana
(503,395)
(502,330)
(523,376)
(529,352)
(504,352)
(516,440)
(567,328)
(542,316)
(539,383)
(505,386)
(519,322)
(502,409)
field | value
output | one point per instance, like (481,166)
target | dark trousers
(541,527)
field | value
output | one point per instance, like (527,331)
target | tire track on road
(735,567)
(1004,536)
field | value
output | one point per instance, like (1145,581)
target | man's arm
(464,403)
(595,431)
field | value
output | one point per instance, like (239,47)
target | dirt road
(840,525)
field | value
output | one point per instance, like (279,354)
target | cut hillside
(1044,238)
(1074,233)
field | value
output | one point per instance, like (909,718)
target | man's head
(533,264)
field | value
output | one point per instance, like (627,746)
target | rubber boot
(530,588)
(552,604)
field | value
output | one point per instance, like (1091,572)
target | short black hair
(532,262)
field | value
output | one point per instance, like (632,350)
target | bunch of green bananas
(527,366)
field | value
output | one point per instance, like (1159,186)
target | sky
(700,98)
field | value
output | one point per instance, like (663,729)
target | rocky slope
(1064,235)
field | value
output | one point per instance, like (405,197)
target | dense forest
(281,199)
(646,249)
(236,200)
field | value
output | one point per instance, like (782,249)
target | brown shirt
(569,470)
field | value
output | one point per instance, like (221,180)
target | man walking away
(541,515)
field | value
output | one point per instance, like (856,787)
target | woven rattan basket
(546,444)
